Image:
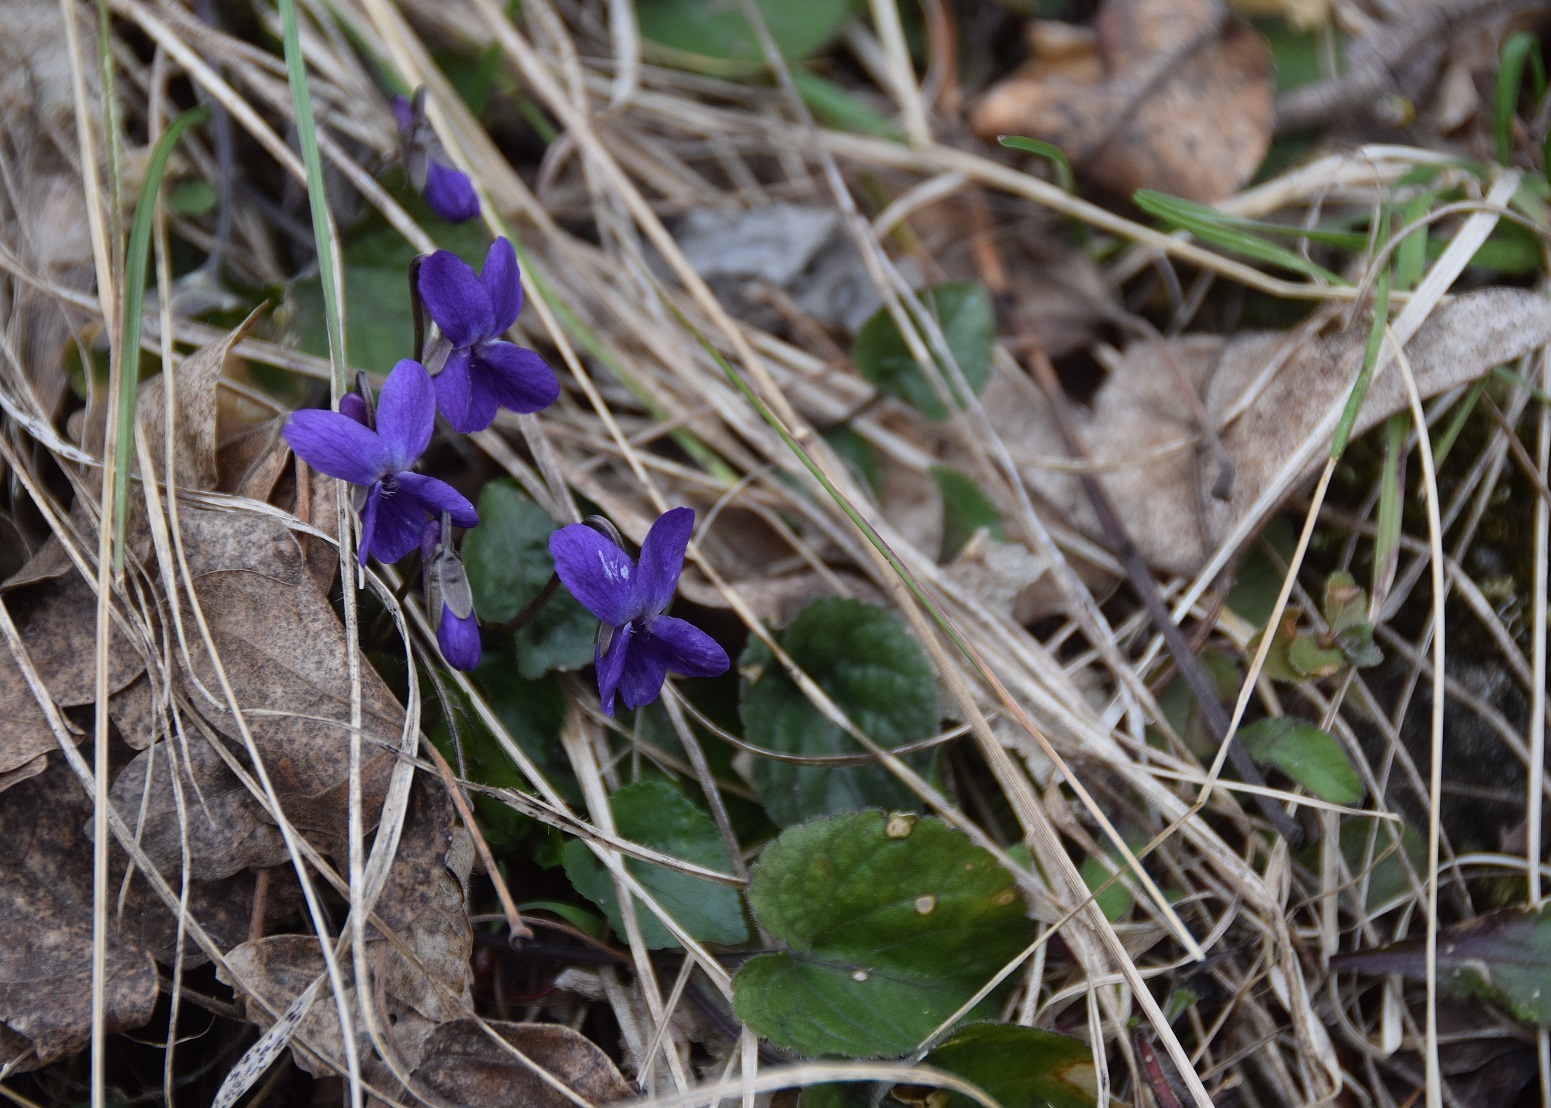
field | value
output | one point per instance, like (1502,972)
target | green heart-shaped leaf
(891,924)
(880,677)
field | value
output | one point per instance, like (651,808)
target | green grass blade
(307,134)
(1521,48)
(134,304)
(1048,150)
(1230,233)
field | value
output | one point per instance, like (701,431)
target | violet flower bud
(446,189)
(448,596)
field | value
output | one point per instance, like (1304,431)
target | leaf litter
(885,299)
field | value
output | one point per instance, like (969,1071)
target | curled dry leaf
(423,903)
(46,924)
(1267,393)
(464,1065)
(1184,103)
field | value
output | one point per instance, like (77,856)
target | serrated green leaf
(654,813)
(508,562)
(965,510)
(1308,755)
(963,311)
(891,924)
(1021,1067)
(880,677)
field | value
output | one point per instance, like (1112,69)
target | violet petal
(466,396)
(662,558)
(611,666)
(459,640)
(406,413)
(353,406)
(368,523)
(597,573)
(503,284)
(396,519)
(519,378)
(640,682)
(450,193)
(337,445)
(684,648)
(456,299)
(435,497)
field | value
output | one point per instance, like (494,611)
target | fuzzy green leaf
(656,814)
(878,675)
(891,924)
(712,30)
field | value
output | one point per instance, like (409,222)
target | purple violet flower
(480,371)
(447,190)
(394,500)
(447,595)
(637,645)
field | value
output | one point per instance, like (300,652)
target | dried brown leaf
(46,924)
(465,1067)
(1185,105)
(1141,430)
(423,903)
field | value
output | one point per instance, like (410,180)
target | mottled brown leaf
(423,904)
(1276,387)
(1184,105)
(46,925)
(465,1067)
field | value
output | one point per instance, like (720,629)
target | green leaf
(699,34)
(965,510)
(379,327)
(856,452)
(1309,658)
(1522,47)
(838,106)
(531,712)
(194,197)
(655,814)
(1048,150)
(508,562)
(891,924)
(879,676)
(963,311)
(1114,901)
(1308,755)
(1385,871)
(1020,1067)
(1502,957)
